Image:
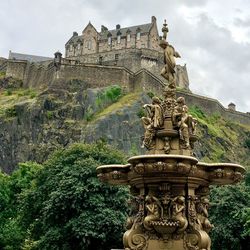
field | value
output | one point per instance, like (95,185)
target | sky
(212,37)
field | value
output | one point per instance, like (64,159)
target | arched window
(119,39)
(138,35)
(89,44)
(128,37)
(109,40)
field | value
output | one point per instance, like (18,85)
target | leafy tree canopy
(69,208)
(230,214)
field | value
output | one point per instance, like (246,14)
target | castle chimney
(232,106)
(75,33)
(153,19)
(118,26)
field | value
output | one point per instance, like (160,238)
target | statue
(181,120)
(202,214)
(168,72)
(136,212)
(154,211)
(153,121)
(178,212)
(166,201)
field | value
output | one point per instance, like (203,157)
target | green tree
(11,190)
(69,208)
(229,214)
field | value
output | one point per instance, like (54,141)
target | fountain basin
(170,168)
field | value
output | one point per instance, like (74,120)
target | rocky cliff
(33,123)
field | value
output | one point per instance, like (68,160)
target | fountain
(169,186)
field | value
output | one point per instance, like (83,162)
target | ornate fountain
(169,186)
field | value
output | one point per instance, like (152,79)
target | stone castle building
(134,47)
(129,57)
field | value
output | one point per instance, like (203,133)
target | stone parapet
(36,75)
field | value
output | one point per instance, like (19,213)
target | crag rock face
(33,123)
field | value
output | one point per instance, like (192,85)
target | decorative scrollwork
(237,176)
(159,166)
(139,240)
(139,168)
(219,173)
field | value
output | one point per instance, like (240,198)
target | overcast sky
(213,37)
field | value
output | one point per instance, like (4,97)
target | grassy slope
(222,140)
(9,98)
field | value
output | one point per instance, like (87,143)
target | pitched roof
(74,39)
(144,28)
(30,58)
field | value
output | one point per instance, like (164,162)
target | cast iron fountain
(169,186)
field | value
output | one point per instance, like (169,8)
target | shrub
(247,143)
(10,112)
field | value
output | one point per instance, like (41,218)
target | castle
(130,57)
(134,47)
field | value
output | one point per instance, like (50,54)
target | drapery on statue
(153,121)
(168,71)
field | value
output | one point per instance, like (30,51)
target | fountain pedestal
(169,186)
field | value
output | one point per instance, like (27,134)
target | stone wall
(153,42)
(37,75)
(146,81)
(33,75)
(96,75)
(3,64)
(213,106)
(133,59)
(16,69)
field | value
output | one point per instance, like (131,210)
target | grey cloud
(245,23)
(218,66)
(195,3)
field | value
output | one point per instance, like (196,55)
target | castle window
(119,39)
(116,57)
(128,37)
(78,46)
(89,44)
(109,40)
(138,35)
(100,59)
(71,47)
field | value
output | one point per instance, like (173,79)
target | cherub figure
(181,120)
(153,121)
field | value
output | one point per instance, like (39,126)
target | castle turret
(232,106)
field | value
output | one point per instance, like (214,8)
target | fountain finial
(165,30)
